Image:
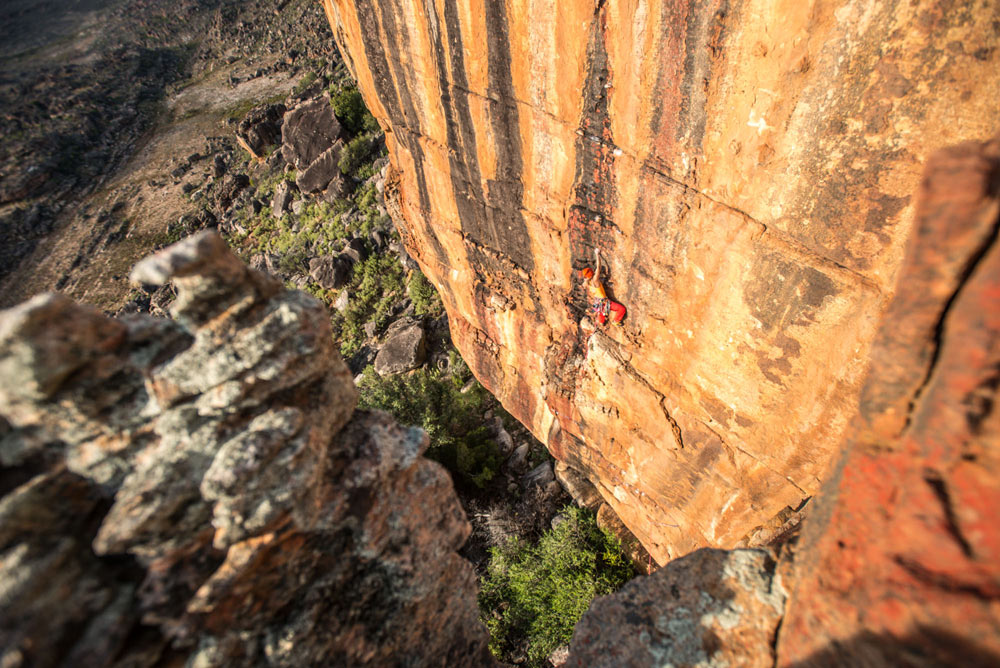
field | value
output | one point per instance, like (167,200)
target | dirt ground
(157,88)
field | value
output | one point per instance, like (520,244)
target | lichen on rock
(202,487)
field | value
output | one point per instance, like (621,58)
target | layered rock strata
(745,169)
(201,489)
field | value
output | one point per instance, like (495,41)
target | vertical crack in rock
(940,487)
(591,214)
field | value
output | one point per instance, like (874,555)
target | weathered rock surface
(578,486)
(901,558)
(710,608)
(282,200)
(330,271)
(201,489)
(307,131)
(262,127)
(321,171)
(404,350)
(747,180)
(898,562)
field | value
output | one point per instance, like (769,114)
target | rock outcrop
(901,558)
(710,608)
(746,172)
(201,489)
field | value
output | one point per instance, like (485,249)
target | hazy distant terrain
(90,92)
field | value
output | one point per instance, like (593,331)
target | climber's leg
(617,312)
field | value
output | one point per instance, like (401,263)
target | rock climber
(597,296)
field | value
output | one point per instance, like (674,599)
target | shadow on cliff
(927,647)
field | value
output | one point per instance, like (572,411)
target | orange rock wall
(745,169)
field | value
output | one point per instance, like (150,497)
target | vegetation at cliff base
(425,298)
(350,109)
(434,400)
(376,285)
(534,594)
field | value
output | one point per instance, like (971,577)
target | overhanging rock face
(745,170)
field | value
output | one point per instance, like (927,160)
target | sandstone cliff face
(201,489)
(746,170)
(899,564)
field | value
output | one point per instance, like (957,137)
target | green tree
(423,295)
(349,108)
(535,594)
(433,400)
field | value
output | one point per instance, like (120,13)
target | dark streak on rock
(940,488)
(589,224)
(705,31)
(781,293)
(397,101)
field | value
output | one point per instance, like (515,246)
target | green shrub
(349,108)
(304,83)
(453,420)
(535,594)
(354,154)
(423,295)
(377,284)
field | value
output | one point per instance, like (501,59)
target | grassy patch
(533,595)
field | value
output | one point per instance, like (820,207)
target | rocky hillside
(201,489)
(116,111)
(745,172)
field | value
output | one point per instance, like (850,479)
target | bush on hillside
(354,154)
(535,594)
(423,295)
(349,108)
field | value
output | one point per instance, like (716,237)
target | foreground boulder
(710,608)
(201,489)
(901,558)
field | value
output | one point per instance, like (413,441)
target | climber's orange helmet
(587,272)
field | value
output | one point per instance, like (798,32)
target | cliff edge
(744,168)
